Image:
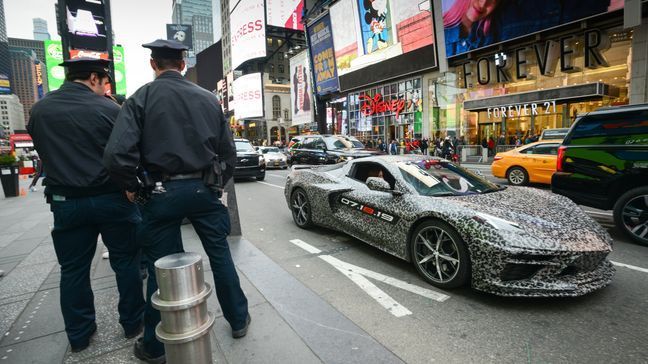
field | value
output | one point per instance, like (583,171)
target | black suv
(327,149)
(249,163)
(603,163)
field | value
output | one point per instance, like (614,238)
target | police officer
(70,128)
(175,131)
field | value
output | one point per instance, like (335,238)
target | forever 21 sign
(500,67)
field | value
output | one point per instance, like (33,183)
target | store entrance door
(489,130)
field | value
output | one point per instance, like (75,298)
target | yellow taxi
(531,163)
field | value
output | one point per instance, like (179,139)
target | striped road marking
(633,267)
(270,184)
(359,275)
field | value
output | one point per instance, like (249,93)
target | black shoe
(237,334)
(84,343)
(142,355)
(133,333)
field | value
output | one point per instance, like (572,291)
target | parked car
(553,134)
(327,149)
(274,157)
(532,163)
(249,163)
(455,227)
(603,163)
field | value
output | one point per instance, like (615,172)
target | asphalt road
(457,326)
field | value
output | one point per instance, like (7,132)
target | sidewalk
(290,323)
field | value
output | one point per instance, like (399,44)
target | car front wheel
(301,208)
(631,214)
(440,255)
(517,176)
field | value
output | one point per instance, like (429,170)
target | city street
(463,325)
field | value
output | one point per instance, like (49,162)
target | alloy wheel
(635,217)
(300,209)
(437,254)
(516,176)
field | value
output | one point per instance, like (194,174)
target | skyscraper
(5,58)
(12,114)
(25,77)
(40,29)
(225,37)
(198,14)
(38,48)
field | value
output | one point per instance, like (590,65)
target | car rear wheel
(440,255)
(260,177)
(517,176)
(301,208)
(631,214)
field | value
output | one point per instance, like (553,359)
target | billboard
(181,33)
(470,25)
(300,89)
(384,38)
(320,40)
(285,13)
(247,32)
(86,24)
(248,96)
(56,73)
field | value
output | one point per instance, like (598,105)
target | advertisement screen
(323,58)
(300,89)
(56,73)
(248,96)
(86,24)
(470,25)
(247,32)
(181,33)
(368,33)
(285,13)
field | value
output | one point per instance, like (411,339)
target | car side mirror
(378,184)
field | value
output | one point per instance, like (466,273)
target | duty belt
(175,177)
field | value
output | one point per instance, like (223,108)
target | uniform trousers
(162,218)
(77,225)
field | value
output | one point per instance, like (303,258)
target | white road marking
(270,184)
(358,275)
(275,175)
(633,267)
(608,214)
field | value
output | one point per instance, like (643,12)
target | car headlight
(261,160)
(496,222)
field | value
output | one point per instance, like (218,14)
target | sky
(134,22)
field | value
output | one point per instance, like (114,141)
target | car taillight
(559,159)
(498,157)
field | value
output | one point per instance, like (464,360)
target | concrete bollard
(182,301)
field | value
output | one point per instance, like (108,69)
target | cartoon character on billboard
(375,24)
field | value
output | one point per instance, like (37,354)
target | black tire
(449,274)
(260,177)
(299,201)
(517,176)
(631,214)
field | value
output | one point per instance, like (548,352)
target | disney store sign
(376,105)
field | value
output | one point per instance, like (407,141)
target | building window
(276,107)
(281,68)
(286,115)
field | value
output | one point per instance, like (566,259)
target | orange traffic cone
(23,192)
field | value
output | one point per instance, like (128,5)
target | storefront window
(478,124)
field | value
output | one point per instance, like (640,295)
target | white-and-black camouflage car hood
(521,241)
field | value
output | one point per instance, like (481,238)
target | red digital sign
(376,105)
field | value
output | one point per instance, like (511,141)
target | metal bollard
(181,299)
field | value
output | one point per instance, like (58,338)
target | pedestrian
(502,139)
(176,132)
(393,147)
(424,146)
(382,146)
(491,146)
(38,170)
(70,128)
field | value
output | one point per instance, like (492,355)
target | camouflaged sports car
(456,227)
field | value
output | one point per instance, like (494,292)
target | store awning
(567,93)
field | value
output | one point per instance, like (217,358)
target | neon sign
(377,105)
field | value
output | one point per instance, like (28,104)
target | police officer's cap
(86,64)
(166,49)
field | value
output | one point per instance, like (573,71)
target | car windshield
(433,177)
(242,146)
(270,150)
(342,142)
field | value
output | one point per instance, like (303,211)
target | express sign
(377,105)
